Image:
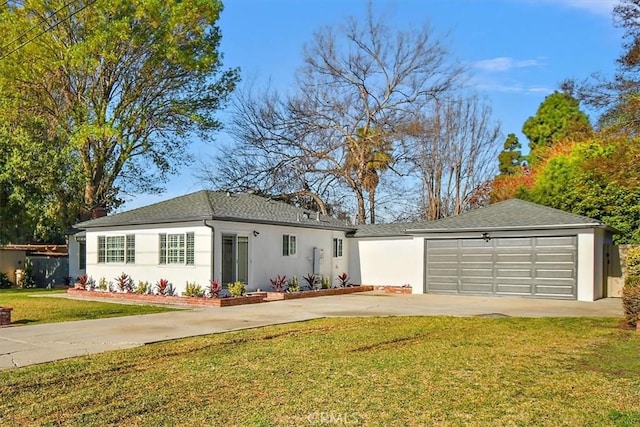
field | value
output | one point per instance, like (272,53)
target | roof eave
(152,222)
(511,228)
(317,225)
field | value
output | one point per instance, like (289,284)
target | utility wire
(46,30)
(24,33)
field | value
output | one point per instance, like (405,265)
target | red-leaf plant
(214,289)
(124,283)
(82,281)
(279,283)
(344,280)
(163,287)
(311,280)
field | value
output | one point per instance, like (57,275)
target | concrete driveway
(27,345)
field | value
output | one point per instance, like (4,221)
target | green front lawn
(30,307)
(348,371)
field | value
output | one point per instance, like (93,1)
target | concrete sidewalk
(27,345)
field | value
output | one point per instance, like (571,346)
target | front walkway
(27,345)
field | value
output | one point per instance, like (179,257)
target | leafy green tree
(573,181)
(558,118)
(113,90)
(510,158)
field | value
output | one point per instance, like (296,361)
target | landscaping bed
(278,296)
(171,300)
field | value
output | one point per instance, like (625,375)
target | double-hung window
(177,248)
(288,245)
(117,249)
(337,247)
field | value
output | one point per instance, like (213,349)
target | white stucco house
(512,248)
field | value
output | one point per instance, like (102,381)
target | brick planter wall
(278,296)
(160,299)
(395,289)
(5,316)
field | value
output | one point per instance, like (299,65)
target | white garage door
(543,267)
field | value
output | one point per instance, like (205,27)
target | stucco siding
(393,261)
(266,259)
(147,265)
(10,261)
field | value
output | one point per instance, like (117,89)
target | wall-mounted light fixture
(255,233)
(486,237)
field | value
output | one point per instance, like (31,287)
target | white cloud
(598,7)
(511,88)
(504,63)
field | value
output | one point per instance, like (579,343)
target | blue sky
(517,51)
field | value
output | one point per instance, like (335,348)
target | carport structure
(511,248)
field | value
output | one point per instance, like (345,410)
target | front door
(235,258)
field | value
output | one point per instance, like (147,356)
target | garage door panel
(516,288)
(514,242)
(443,244)
(474,287)
(476,257)
(566,241)
(444,286)
(477,272)
(568,258)
(526,257)
(527,266)
(555,290)
(524,273)
(444,272)
(475,244)
(554,274)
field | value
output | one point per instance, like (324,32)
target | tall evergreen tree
(510,158)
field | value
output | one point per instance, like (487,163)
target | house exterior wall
(147,265)
(592,275)
(10,261)
(74,258)
(390,261)
(265,252)
(400,260)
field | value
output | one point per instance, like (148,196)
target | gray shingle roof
(218,206)
(511,214)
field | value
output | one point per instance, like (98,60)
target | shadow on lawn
(23,322)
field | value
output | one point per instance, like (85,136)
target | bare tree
(341,127)
(453,149)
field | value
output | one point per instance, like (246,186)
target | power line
(46,30)
(24,33)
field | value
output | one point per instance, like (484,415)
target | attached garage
(512,248)
(544,267)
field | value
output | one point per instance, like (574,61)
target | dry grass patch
(362,371)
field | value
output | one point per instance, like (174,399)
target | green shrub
(237,289)
(193,290)
(102,284)
(28,278)
(325,283)
(5,283)
(631,299)
(142,288)
(633,261)
(294,285)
